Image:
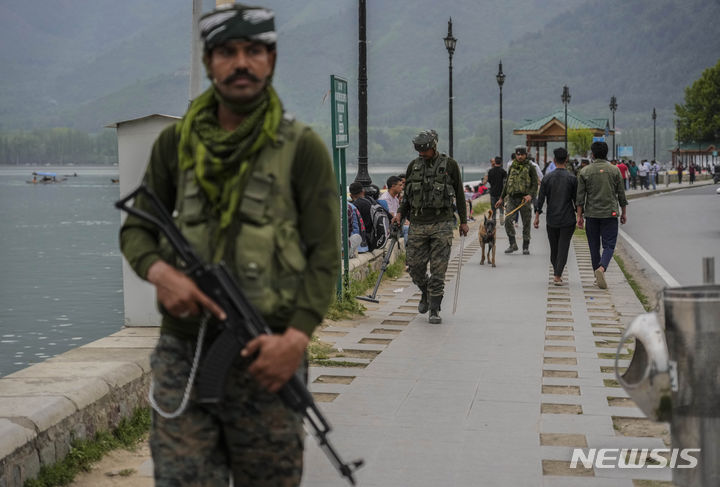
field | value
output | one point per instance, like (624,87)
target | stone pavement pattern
(498,395)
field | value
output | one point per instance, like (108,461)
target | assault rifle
(243,323)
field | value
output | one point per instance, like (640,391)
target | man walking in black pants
(559,188)
(496,177)
(600,192)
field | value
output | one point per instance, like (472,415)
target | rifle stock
(243,323)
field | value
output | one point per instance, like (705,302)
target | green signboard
(339,99)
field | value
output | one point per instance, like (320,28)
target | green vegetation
(642,297)
(84,453)
(349,306)
(58,146)
(699,117)
(580,141)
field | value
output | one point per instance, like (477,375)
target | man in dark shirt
(496,177)
(559,188)
(363,204)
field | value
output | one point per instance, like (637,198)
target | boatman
(433,186)
(520,189)
(252,187)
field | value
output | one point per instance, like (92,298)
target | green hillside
(84,64)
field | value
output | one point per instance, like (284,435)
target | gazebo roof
(704,146)
(574,121)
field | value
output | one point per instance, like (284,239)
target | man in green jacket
(250,186)
(433,186)
(599,193)
(520,189)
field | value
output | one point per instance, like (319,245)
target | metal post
(363,176)
(195,50)
(654,118)
(500,77)
(613,107)
(450,42)
(566,99)
(708,264)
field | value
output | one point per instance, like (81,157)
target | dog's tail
(490,213)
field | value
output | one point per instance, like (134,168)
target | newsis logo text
(635,457)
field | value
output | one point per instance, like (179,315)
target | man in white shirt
(394,188)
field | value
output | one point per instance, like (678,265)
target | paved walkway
(500,393)
(497,395)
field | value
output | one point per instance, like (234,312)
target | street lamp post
(566,100)
(363,176)
(450,42)
(613,107)
(654,117)
(500,77)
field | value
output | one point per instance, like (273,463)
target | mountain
(84,64)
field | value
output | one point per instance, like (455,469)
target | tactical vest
(430,186)
(518,182)
(262,246)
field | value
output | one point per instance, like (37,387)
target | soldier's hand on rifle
(279,356)
(464,229)
(397,219)
(178,293)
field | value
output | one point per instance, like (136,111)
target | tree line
(58,146)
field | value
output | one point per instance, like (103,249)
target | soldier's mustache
(241,74)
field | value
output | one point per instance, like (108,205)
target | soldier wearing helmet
(520,188)
(433,187)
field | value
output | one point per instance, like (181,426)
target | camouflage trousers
(512,202)
(250,436)
(429,243)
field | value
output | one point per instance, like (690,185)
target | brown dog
(486,236)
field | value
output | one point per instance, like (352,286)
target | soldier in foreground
(520,188)
(433,185)
(254,188)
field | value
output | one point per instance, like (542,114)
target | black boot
(435,310)
(423,304)
(513,246)
(526,247)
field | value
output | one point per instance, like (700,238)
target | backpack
(518,182)
(354,214)
(380,225)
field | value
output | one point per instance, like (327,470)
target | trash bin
(680,381)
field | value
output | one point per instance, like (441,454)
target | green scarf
(223,160)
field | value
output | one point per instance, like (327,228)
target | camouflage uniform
(433,187)
(264,437)
(512,202)
(429,243)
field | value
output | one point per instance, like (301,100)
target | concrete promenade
(499,394)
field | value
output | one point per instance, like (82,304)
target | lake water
(60,266)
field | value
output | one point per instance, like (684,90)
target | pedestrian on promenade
(559,188)
(644,173)
(624,173)
(521,187)
(281,245)
(394,187)
(691,172)
(496,176)
(434,185)
(633,174)
(599,193)
(653,171)
(680,170)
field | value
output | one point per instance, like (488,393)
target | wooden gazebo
(551,128)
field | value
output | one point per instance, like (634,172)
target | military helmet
(425,140)
(520,149)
